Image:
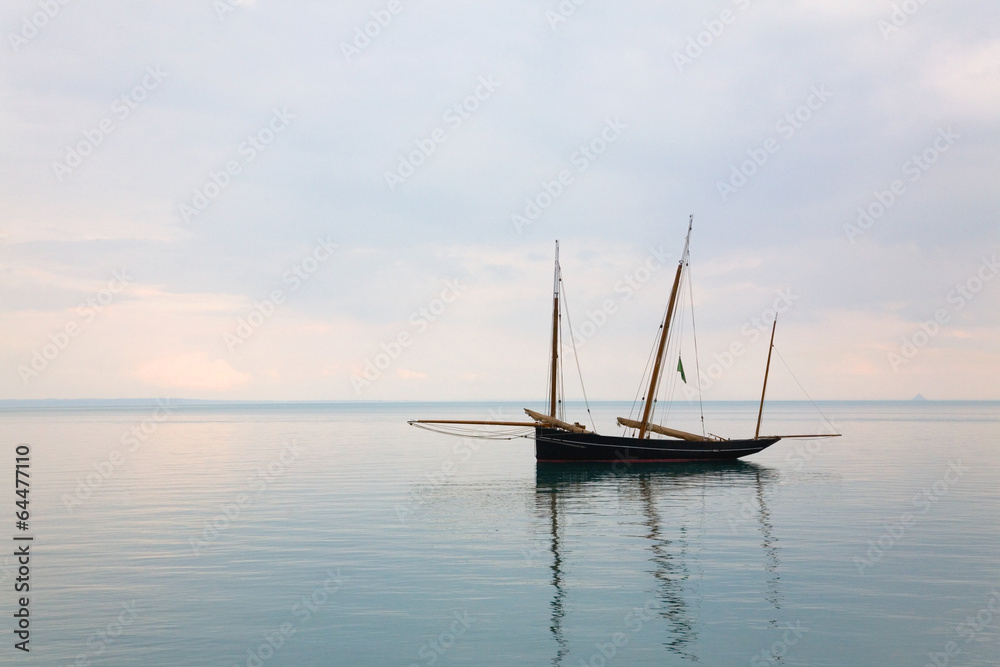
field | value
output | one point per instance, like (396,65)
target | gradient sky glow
(172,168)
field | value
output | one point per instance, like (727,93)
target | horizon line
(191,402)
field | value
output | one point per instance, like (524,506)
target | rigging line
(672,335)
(576,356)
(685,277)
(550,377)
(642,380)
(548,383)
(828,422)
(671,384)
(652,352)
(667,388)
(694,334)
(507,434)
(562,356)
(561,388)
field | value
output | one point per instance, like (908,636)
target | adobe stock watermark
(626,289)
(302,612)
(899,17)
(634,621)
(461,452)
(104,469)
(697,44)
(922,503)
(962,294)
(750,506)
(433,649)
(257,483)
(419,321)
(248,150)
(99,641)
(621,466)
(751,330)
(914,168)
(531,553)
(86,312)
(563,11)
(969,630)
(363,35)
(33,24)
(454,116)
(786,127)
(225,7)
(121,109)
(779,649)
(587,153)
(801,454)
(294,277)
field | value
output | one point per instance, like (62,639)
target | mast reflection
(560,488)
(557,584)
(671,573)
(770,545)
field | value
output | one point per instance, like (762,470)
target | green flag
(680,369)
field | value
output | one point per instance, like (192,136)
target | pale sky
(356,179)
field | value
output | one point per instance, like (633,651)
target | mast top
(555,285)
(687,240)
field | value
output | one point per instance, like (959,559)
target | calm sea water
(338,535)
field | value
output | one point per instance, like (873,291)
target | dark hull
(557,446)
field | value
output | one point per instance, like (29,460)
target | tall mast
(767,369)
(664,333)
(554,375)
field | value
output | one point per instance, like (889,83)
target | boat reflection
(566,492)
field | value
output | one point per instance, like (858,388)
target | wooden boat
(558,441)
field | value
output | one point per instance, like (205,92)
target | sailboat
(558,441)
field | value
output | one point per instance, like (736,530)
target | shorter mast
(554,371)
(767,369)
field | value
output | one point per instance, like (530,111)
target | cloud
(194,371)
(451,219)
